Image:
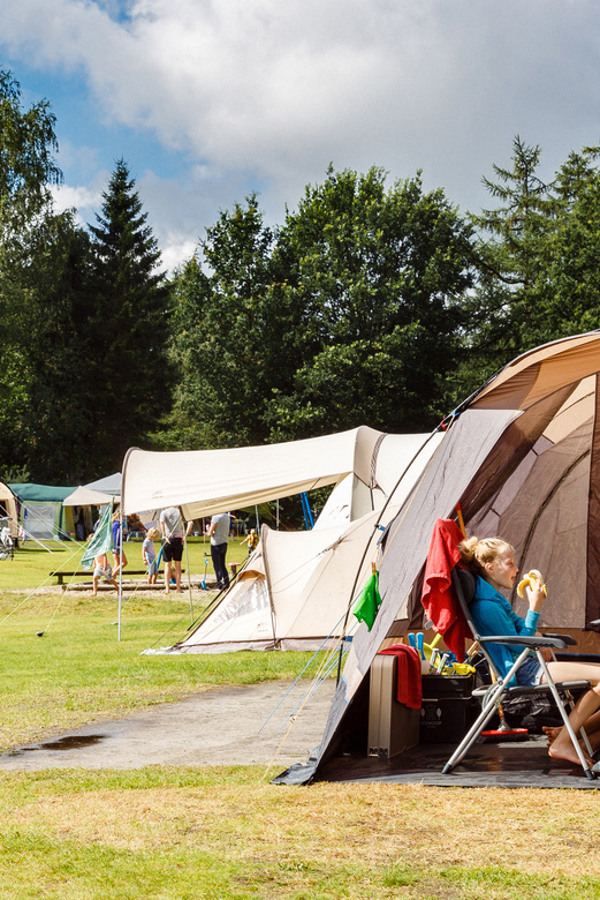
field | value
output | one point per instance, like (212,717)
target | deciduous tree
(223,342)
(376,278)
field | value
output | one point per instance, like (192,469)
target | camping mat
(522,764)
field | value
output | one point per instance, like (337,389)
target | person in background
(171,526)
(119,558)
(218,532)
(102,569)
(135,526)
(149,554)
(251,540)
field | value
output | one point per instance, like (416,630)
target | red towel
(409,674)
(439,602)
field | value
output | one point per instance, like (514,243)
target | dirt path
(223,726)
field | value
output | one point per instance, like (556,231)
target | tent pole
(120,573)
(187,562)
(376,527)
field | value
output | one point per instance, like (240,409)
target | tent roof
(95,493)
(41,493)
(204,482)
(110,484)
(537,374)
(83,496)
(297,587)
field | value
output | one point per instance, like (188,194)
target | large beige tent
(292,595)
(522,457)
(296,589)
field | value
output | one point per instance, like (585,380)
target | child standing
(251,540)
(102,569)
(149,555)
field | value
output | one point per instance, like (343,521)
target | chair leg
(565,718)
(475,730)
(490,702)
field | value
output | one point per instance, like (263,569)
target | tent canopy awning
(110,484)
(96,493)
(205,482)
(83,496)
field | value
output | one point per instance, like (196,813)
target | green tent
(41,511)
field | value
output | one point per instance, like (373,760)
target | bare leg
(561,746)
(178,576)
(551,732)
(120,563)
(592,729)
(167,577)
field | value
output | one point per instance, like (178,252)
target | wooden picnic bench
(61,575)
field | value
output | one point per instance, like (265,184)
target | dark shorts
(530,672)
(173,550)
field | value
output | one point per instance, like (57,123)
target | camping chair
(7,546)
(491,696)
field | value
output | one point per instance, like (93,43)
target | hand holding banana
(532,580)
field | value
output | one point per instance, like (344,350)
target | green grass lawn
(226,833)
(31,566)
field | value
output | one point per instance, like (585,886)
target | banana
(529,581)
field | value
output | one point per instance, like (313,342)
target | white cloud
(272,92)
(177,249)
(81,198)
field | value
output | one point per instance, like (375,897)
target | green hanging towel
(367,605)
(102,540)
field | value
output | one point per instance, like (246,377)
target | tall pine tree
(129,368)
(27,169)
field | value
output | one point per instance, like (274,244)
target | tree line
(372,303)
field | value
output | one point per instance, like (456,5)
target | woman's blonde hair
(477,553)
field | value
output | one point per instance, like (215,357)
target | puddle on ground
(70,742)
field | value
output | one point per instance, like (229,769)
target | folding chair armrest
(532,641)
(544,687)
(563,637)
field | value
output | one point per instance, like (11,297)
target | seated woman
(493,561)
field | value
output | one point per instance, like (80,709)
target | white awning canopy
(82,496)
(96,493)
(205,482)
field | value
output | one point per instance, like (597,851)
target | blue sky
(208,100)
